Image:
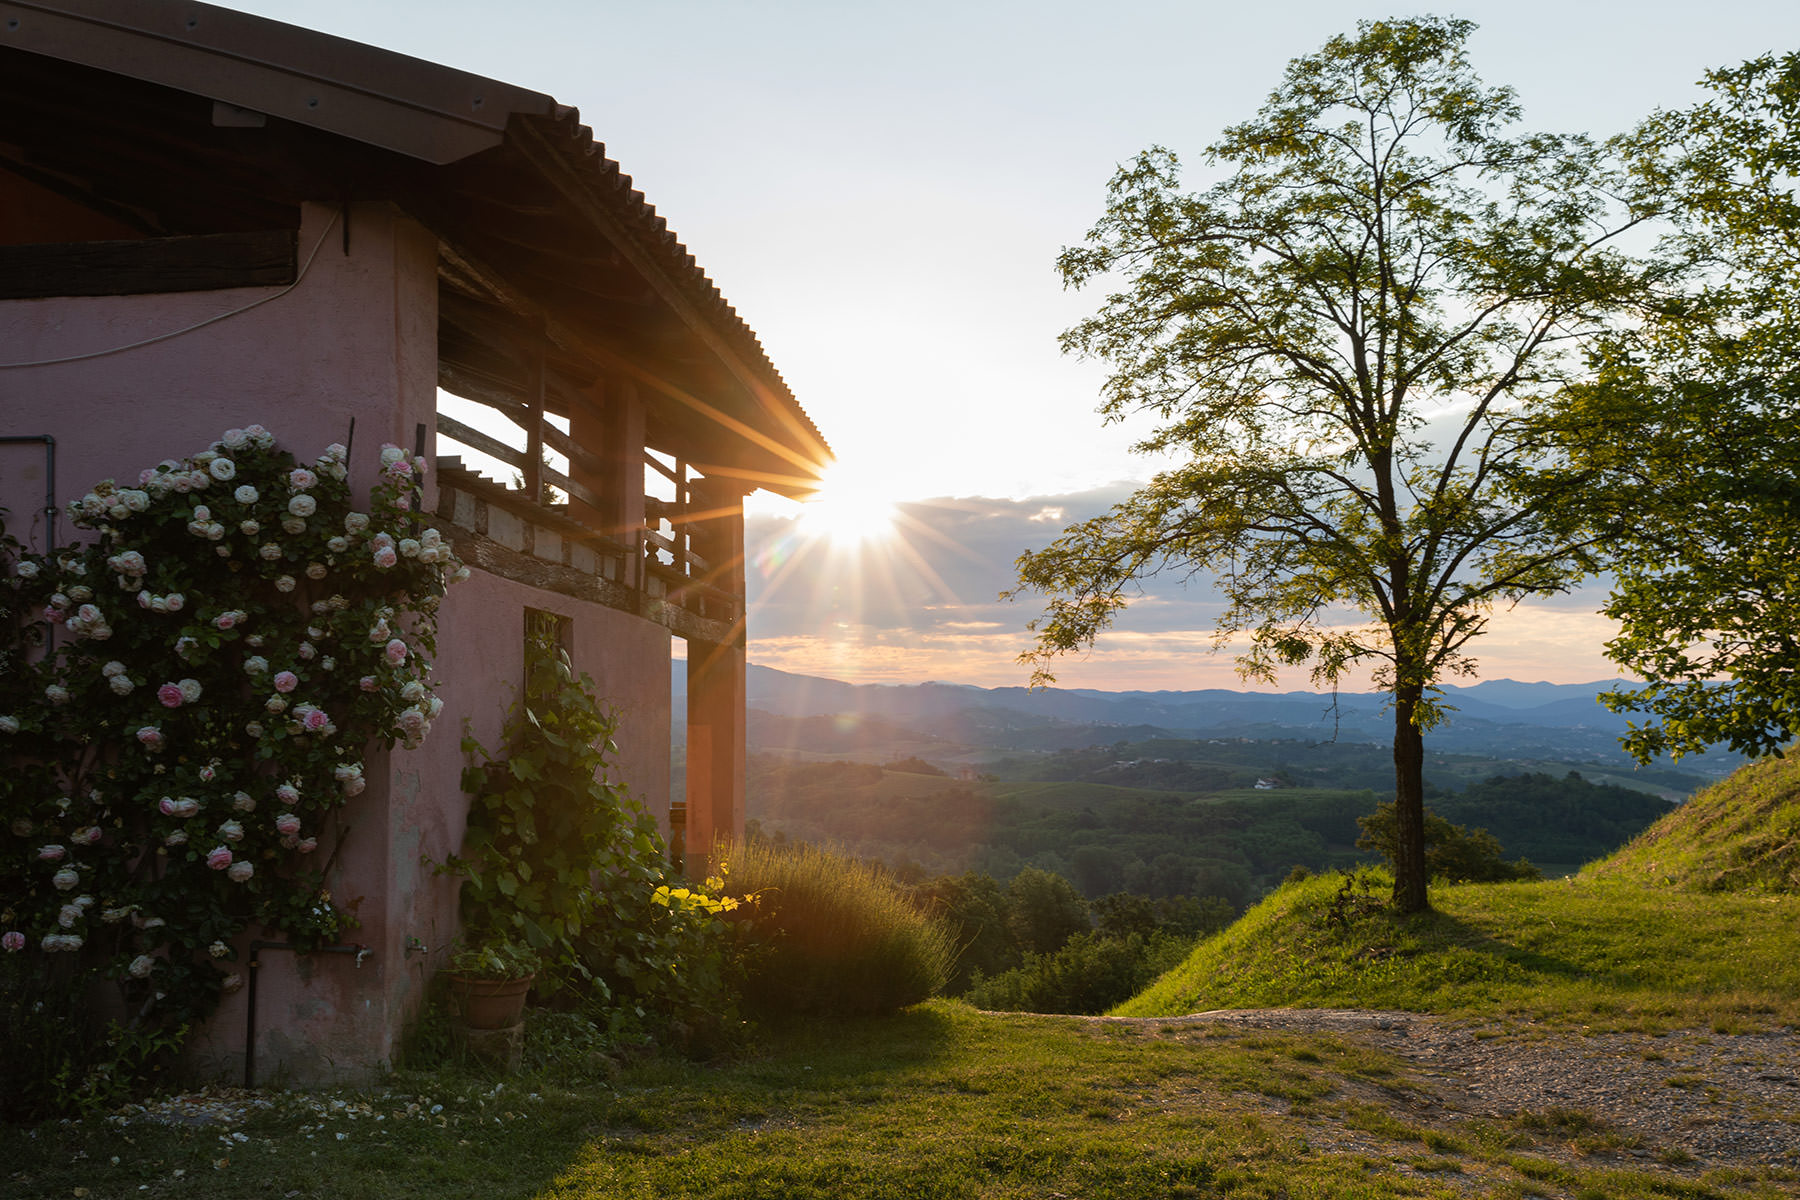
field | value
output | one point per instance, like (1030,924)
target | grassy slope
(1690,924)
(1577,951)
(1740,835)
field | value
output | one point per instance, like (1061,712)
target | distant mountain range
(949,722)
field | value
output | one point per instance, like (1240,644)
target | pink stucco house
(209,219)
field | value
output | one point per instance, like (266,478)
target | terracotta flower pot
(489,1003)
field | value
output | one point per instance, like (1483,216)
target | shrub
(560,858)
(1045,910)
(831,935)
(1452,853)
(1089,974)
(974,909)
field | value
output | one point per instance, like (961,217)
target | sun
(852,506)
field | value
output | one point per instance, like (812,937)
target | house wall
(354,338)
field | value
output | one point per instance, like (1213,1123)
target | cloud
(924,604)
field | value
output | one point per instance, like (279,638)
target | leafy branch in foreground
(1690,423)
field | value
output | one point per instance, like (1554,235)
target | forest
(1136,818)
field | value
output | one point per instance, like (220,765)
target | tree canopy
(1689,422)
(1345,342)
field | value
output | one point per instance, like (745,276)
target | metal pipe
(255,963)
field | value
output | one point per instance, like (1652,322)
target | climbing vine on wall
(560,858)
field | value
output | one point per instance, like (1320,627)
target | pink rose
(315,720)
(166,806)
(240,871)
(287,824)
(170,695)
(369,683)
(219,858)
(307,845)
(395,652)
(50,853)
(151,737)
(385,557)
(13,941)
(286,681)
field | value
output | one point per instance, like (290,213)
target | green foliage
(178,736)
(496,959)
(832,935)
(1690,419)
(1740,835)
(1380,253)
(58,1056)
(1044,910)
(1452,853)
(562,862)
(973,909)
(1089,973)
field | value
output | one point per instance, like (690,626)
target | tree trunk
(1409,805)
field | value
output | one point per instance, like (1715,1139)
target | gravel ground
(1689,1100)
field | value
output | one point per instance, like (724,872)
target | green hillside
(1593,952)
(1740,835)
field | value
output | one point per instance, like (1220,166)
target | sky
(882,189)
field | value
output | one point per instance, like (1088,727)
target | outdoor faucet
(362,952)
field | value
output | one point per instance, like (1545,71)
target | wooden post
(534,428)
(715,752)
(716,674)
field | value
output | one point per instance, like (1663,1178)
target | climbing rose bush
(209,675)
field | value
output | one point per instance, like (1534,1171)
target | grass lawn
(940,1101)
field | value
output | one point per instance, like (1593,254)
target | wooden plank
(476,440)
(511,501)
(574,487)
(534,425)
(201,263)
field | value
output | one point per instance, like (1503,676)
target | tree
(1701,468)
(1452,853)
(1344,343)
(1044,910)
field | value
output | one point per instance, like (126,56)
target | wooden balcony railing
(670,551)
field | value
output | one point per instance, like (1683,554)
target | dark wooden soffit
(421,109)
(179,264)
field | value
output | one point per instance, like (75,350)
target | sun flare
(851,506)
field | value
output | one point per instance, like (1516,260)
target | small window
(546,632)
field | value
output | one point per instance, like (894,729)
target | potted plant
(489,980)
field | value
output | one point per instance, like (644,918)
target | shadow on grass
(1443,932)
